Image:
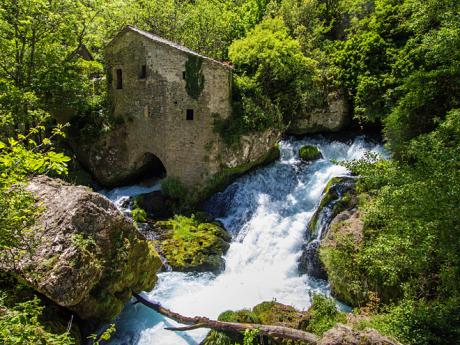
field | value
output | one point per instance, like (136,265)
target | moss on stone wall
(194,78)
(221,180)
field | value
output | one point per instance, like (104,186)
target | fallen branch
(204,322)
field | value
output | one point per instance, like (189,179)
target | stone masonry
(148,90)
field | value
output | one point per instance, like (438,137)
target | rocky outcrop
(344,335)
(338,253)
(252,151)
(332,118)
(85,254)
(190,245)
(339,195)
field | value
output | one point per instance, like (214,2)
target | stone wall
(332,118)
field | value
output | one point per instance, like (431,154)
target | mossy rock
(339,195)
(266,313)
(339,190)
(309,153)
(189,245)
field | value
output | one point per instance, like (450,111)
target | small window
(189,114)
(119,79)
(143,73)
(183,75)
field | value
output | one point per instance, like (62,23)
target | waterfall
(267,213)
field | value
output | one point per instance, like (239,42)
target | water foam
(267,212)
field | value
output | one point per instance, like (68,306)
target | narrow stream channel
(267,212)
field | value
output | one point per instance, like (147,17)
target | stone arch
(150,167)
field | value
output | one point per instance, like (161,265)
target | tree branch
(204,322)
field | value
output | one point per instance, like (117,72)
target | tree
(40,68)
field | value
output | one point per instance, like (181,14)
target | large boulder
(86,255)
(344,335)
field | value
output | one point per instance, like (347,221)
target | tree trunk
(204,322)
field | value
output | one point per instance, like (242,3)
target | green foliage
(41,71)
(250,336)
(323,315)
(191,245)
(400,64)
(139,215)
(105,336)
(421,322)
(271,70)
(194,78)
(173,188)
(409,253)
(20,325)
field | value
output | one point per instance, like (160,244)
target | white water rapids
(267,212)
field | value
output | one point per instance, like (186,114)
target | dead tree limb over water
(203,322)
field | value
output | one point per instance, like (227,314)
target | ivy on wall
(194,78)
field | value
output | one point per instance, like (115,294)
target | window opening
(189,114)
(119,79)
(143,73)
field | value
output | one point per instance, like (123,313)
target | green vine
(194,78)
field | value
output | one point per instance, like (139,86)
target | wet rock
(309,153)
(189,245)
(338,195)
(86,256)
(156,204)
(344,335)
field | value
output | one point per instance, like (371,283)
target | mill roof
(166,42)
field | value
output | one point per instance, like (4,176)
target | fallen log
(203,322)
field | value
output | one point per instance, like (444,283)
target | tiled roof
(164,41)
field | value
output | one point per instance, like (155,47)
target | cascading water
(267,212)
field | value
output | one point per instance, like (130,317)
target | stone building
(168,96)
(165,98)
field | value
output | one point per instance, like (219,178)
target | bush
(271,71)
(323,315)
(20,325)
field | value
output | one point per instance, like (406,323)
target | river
(267,212)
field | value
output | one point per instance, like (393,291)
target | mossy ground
(309,153)
(193,246)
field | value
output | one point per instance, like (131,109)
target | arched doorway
(151,168)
